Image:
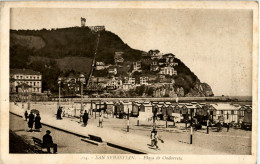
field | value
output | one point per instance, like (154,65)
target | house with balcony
(168,71)
(25,76)
(143,80)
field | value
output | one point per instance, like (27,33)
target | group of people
(33,120)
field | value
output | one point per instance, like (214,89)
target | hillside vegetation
(59,51)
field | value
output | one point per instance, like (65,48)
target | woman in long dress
(31,120)
(38,124)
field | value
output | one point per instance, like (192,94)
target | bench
(95,138)
(38,142)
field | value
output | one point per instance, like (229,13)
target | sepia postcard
(129,82)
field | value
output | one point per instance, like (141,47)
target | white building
(168,71)
(100,66)
(25,76)
(144,80)
(136,66)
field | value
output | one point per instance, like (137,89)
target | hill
(59,51)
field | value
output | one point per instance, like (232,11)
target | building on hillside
(97,28)
(97,83)
(100,66)
(118,58)
(136,66)
(114,83)
(129,80)
(168,71)
(154,66)
(143,80)
(169,57)
(162,62)
(155,54)
(112,70)
(25,76)
(70,84)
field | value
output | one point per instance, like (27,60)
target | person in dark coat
(85,118)
(38,124)
(31,120)
(59,111)
(48,142)
(26,115)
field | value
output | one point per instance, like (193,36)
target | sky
(215,44)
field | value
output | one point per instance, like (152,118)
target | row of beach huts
(144,110)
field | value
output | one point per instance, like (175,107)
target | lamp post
(22,96)
(59,83)
(191,130)
(82,80)
(128,120)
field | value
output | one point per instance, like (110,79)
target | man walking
(48,143)
(85,118)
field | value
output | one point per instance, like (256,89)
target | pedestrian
(156,139)
(85,118)
(25,115)
(31,120)
(38,124)
(48,142)
(152,137)
(59,111)
(228,127)
(100,120)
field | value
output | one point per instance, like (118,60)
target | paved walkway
(121,138)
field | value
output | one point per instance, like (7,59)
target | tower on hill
(83,22)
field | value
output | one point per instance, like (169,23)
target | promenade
(176,140)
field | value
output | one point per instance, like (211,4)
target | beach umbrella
(35,111)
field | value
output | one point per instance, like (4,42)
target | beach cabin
(145,112)
(148,108)
(110,108)
(245,114)
(170,109)
(228,111)
(247,117)
(178,108)
(125,106)
(187,108)
(202,110)
(135,109)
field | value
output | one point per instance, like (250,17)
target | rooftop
(24,72)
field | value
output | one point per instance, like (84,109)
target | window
(17,77)
(30,77)
(221,112)
(21,77)
(33,83)
(232,112)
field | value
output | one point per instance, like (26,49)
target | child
(100,120)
